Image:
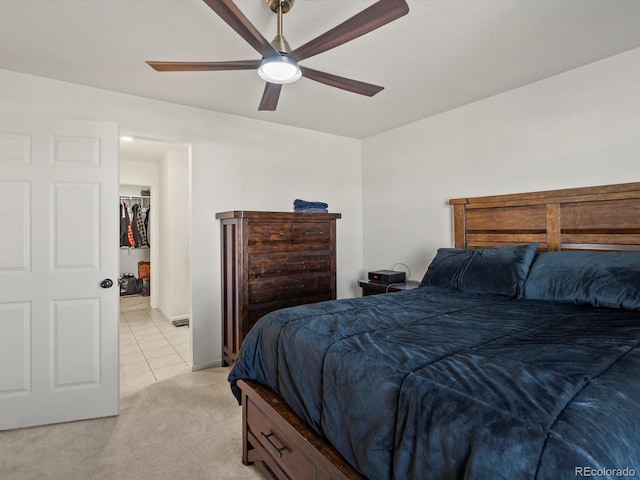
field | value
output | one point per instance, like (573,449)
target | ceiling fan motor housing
(286,5)
(280,43)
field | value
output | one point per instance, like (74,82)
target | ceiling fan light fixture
(280,70)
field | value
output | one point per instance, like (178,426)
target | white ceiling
(145,150)
(443,54)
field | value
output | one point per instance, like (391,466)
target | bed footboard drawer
(280,446)
(273,435)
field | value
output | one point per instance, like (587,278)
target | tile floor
(151,347)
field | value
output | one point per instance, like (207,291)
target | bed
(518,357)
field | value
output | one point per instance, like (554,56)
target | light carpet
(184,427)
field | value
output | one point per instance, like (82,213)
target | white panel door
(59,241)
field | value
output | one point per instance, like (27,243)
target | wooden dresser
(272,260)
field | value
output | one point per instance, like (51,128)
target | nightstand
(374,288)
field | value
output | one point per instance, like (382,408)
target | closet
(135,261)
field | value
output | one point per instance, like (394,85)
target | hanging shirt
(124,225)
(130,237)
(139,229)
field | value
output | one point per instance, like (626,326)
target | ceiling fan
(279,64)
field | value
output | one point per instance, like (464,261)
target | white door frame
(155,203)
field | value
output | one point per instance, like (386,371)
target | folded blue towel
(311,209)
(305,206)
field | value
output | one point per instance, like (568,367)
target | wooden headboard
(591,218)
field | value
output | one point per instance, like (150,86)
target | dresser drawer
(267,264)
(270,289)
(270,232)
(311,232)
(282,445)
(259,310)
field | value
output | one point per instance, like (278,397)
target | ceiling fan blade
(354,86)
(270,96)
(377,15)
(204,66)
(233,16)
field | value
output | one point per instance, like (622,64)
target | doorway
(155,336)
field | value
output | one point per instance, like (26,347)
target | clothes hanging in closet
(138,225)
(134,222)
(146,222)
(124,225)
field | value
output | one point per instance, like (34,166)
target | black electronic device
(387,276)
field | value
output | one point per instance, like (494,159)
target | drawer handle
(266,234)
(268,439)
(313,233)
(294,263)
(291,287)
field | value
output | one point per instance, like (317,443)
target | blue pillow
(500,270)
(603,279)
(447,268)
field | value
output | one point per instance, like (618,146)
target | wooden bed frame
(592,218)
(606,217)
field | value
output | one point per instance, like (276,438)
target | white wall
(237,163)
(174,276)
(578,128)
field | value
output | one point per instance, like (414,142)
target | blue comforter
(439,384)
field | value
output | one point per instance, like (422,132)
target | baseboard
(203,366)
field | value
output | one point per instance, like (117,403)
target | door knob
(106,283)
